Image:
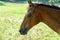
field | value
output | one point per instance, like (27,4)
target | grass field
(11,16)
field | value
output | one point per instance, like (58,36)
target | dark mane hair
(50,6)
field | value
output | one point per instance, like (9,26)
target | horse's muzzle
(23,30)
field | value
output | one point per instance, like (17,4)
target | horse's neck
(52,23)
(51,18)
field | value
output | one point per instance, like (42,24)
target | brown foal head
(31,18)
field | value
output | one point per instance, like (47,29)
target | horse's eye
(29,15)
(30,5)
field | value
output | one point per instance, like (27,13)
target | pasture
(11,17)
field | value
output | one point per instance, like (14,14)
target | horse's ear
(30,2)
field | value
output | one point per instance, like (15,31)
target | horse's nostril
(20,31)
(23,30)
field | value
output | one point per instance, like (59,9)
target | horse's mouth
(23,31)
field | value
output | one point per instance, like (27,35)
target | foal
(36,13)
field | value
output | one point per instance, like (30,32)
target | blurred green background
(12,13)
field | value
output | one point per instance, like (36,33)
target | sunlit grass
(11,16)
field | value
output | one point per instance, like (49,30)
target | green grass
(11,16)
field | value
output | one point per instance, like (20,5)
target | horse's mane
(50,6)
